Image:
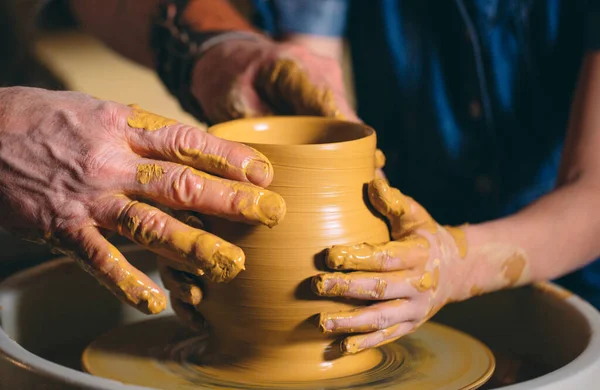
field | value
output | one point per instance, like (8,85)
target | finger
(190,146)
(368,319)
(187,314)
(104,261)
(288,88)
(406,253)
(355,344)
(405,215)
(379,159)
(242,102)
(164,235)
(373,286)
(181,286)
(181,187)
(183,266)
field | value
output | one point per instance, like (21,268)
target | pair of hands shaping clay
(74,169)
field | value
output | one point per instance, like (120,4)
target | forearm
(560,232)
(125,25)
(556,235)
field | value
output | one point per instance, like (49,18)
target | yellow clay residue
(379,159)
(142,119)
(339,287)
(436,278)
(369,257)
(217,259)
(424,283)
(286,79)
(256,169)
(325,318)
(458,234)
(513,267)
(404,213)
(139,233)
(354,257)
(476,290)
(257,204)
(148,172)
(179,286)
(379,291)
(354,344)
(130,288)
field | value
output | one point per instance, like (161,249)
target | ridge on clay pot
(262,323)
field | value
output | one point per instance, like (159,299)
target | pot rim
(369,132)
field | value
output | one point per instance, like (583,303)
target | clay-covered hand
(242,78)
(263,77)
(407,280)
(73,168)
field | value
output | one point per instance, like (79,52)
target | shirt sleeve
(593,25)
(314,17)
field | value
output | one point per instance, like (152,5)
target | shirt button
(475,109)
(484,184)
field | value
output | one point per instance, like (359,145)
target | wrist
(179,41)
(331,47)
(492,261)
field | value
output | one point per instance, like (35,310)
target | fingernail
(379,159)
(336,257)
(272,207)
(325,324)
(320,284)
(258,172)
(228,262)
(349,347)
(154,303)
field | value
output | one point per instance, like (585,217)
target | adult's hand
(242,78)
(407,280)
(73,168)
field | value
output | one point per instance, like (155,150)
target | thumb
(404,213)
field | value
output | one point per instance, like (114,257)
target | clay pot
(263,323)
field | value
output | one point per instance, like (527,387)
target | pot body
(263,322)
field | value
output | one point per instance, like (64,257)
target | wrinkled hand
(73,168)
(409,279)
(241,78)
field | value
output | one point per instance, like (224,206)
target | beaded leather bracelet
(177,49)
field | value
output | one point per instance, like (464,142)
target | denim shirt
(470,99)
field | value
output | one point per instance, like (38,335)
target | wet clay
(142,119)
(161,353)
(199,252)
(253,202)
(286,78)
(148,172)
(513,267)
(458,234)
(379,159)
(424,283)
(256,169)
(403,210)
(263,320)
(111,270)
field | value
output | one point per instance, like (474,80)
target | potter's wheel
(161,353)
